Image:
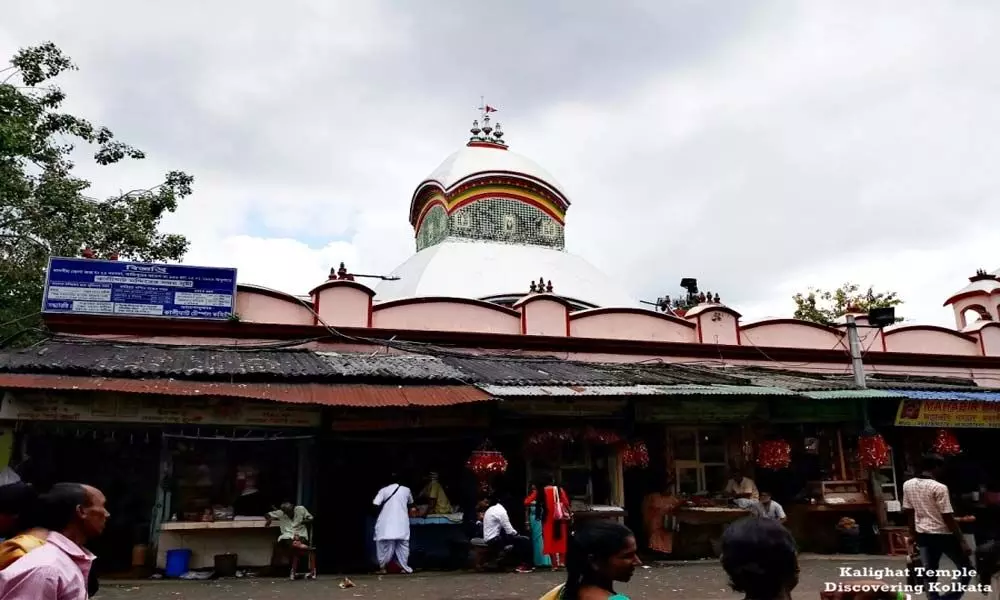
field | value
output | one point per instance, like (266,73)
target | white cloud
(762,150)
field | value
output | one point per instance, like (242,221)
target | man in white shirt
(498,533)
(742,490)
(933,527)
(769,509)
(392,529)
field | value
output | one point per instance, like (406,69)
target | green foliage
(824,306)
(43,211)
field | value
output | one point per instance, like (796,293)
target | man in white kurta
(392,529)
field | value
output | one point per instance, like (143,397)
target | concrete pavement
(696,580)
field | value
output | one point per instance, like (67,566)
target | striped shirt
(929,501)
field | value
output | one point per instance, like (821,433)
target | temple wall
(444,315)
(630,325)
(788,333)
(256,307)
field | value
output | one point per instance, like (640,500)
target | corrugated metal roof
(670,374)
(630,390)
(981,396)
(570,390)
(497,370)
(356,395)
(848,394)
(391,367)
(140,360)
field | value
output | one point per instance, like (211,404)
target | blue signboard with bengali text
(82,286)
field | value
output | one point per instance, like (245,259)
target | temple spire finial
(484,133)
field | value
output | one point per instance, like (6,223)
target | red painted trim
(524,322)
(519,197)
(528,299)
(342,283)
(371,313)
(316,309)
(795,322)
(543,186)
(150,327)
(434,299)
(969,294)
(937,328)
(437,201)
(486,145)
(739,334)
(278,295)
(567,321)
(697,310)
(701,335)
(593,312)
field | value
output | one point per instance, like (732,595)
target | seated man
(769,509)
(742,490)
(293,534)
(499,533)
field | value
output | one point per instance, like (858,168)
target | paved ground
(692,581)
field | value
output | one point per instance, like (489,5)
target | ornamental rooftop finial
(484,133)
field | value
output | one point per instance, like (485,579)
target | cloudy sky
(762,146)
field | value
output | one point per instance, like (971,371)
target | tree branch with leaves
(43,209)
(825,306)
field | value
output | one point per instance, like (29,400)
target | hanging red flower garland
(486,462)
(774,455)
(548,443)
(946,444)
(635,455)
(873,451)
(601,437)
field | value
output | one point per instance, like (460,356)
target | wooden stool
(856,583)
(480,553)
(896,540)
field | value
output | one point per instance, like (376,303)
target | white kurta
(394,519)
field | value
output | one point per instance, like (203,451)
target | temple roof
(473,160)
(485,270)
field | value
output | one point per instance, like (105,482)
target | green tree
(43,209)
(824,306)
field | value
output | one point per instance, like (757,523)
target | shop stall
(427,448)
(168,467)
(959,425)
(218,490)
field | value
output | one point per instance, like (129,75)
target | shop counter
(814,526)
(252,540)
(701,527)
(597,511)
(436,541)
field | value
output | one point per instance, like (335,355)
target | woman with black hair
(761,559)
(552,508)
(599,554)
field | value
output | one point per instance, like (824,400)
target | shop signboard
(158,410)
(82,286)
(969,414)
(797,410)
(702,410)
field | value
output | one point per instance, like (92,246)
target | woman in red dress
(553,504)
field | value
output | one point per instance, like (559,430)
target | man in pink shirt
(73,513)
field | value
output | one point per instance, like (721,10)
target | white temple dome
(472,161)
(488,222)
(501,272)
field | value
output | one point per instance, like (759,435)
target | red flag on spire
(490,109)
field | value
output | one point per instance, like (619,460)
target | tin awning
(322,394)
(947,395)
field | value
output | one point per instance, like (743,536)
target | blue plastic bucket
(178,562)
